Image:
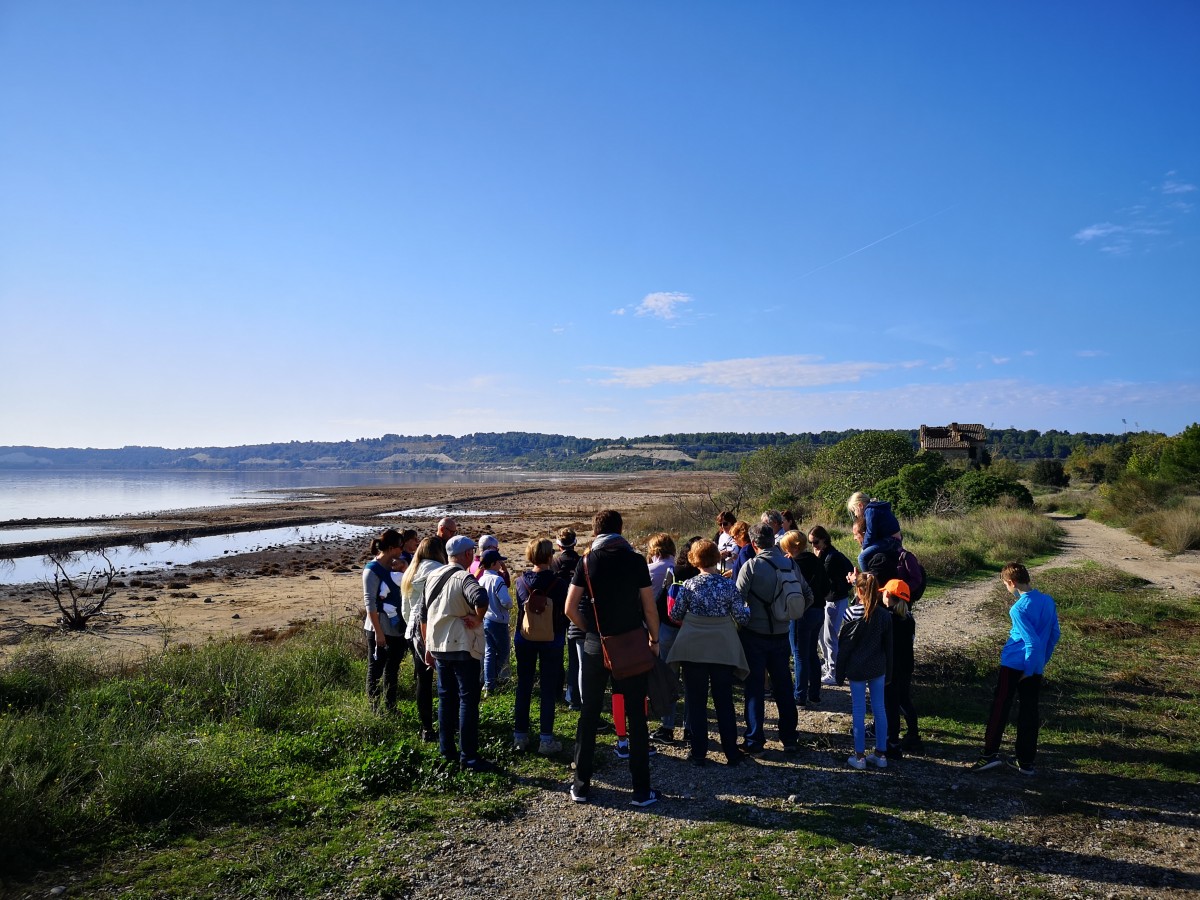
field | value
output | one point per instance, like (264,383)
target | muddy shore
(264,592)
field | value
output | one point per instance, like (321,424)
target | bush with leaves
(1180,459)
(1048,472)
(859,462)
(979,488)
(914,489)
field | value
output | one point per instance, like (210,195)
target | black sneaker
(1029,770)
(649,800)
(621,751)
(912,744)
(987,761)
(752,749)
(664,734)
(478,765)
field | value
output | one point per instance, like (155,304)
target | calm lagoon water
(86,495)
(33,495)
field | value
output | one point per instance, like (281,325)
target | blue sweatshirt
(1034,633)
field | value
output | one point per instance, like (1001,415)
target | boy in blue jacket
(1030,644)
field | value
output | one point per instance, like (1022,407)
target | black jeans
(423,681)
(696,678)
(531,656)
(898,699)
(1011,685)
(594,676)
(385,664)
(458,708)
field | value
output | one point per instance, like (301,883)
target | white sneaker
(547,746)
(856,763)
(880,761)
(828,679)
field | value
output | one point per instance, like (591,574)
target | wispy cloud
(1000,360)
(1136,226)
(619,312)
(763,371)
(662,304)
(1090,354)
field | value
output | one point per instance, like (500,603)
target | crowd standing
(763,605)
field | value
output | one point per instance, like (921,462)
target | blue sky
(232,222)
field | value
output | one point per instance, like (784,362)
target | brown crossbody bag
(627,654)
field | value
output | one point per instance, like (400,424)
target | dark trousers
(458,708)
(594,677)
(423,680)
(383,663)
(898,699)
(532,656)
(1012,686)
(768,656)
(697,677)
(803,634)
(572,694)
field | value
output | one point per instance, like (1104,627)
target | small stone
(58,890)
(236,616)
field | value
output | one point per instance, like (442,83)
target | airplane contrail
(879,241)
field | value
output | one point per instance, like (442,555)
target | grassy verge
(219,762)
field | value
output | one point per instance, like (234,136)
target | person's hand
(429,658)
(654,647)
(471,621)
(853,576)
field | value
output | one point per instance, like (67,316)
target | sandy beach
(265,592)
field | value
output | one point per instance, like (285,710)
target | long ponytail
(867,589)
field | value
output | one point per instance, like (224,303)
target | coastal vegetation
(393,452)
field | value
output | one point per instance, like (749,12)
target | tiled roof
(954,436)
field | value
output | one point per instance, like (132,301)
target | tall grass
(984,539)
(1175,530)
(222,732)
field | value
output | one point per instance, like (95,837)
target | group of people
(765,604)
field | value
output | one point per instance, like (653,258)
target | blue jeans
(803,634)
(666,638)
(495,654)
(458,707)
(768,657)
(858,709)
(531,656)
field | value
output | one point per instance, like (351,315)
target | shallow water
(49,533)
(169,554)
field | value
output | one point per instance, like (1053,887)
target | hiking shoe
(621,750)
(579,795)
(855,762)
(1023,769)
(752,749)
(879,760)
(548,746)
(912,744)
(649,800)
(664,734)
(520,742)
(987,761)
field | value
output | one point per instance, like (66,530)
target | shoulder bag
(627,654)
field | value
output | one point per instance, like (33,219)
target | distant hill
(718,450)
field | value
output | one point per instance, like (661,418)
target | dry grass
(1176,530)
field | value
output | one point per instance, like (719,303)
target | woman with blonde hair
(865,659)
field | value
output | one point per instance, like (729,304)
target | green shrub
(1048,472)
(979,488)
(859,462)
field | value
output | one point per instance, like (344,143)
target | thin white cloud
(1176,187)
(1090,354)
(1000,360)
(1029,353)
(949,364)
(619,312)
(1136,226)
(662,304)
(763,371)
